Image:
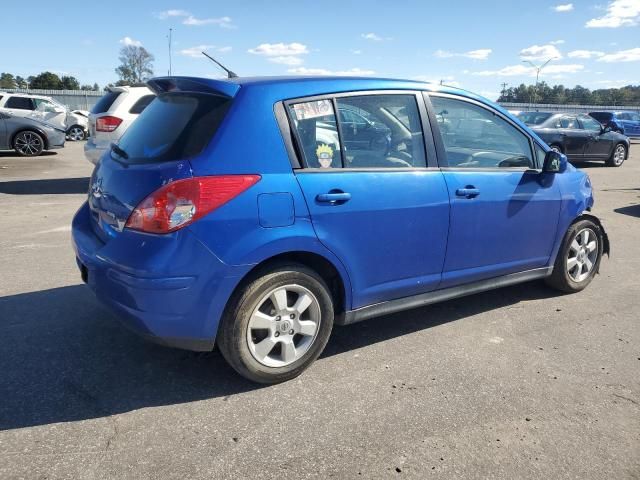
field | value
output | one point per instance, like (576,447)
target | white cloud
(356,72)
(523,70)
(556,42)
(196,52)
(189,19)
(224,22)
(567,7)
(480,54)
(372,36)
(631,55)
(172,13)
(446,80)
(620,13)
(130,42)
(585,54)
(279,49)
(356,52)
(540,52)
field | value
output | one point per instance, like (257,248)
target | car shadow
(631,210)
(588,164)
(11,153)
(63,357)
(54,186)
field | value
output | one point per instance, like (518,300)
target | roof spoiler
(186,84)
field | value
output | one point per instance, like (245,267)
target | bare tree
(136,64)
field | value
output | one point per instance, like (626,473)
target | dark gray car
(579,137)
(28,137)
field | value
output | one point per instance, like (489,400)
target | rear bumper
(169,288)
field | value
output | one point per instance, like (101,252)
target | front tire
(277,325)
(579,257)
(76,133)
(618,156)
(28,144)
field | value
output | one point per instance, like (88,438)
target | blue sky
(473,44)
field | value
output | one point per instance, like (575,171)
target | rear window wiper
(119,151)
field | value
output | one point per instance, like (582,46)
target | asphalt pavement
(516,383)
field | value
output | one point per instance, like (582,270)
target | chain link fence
(552,107)
(73,99)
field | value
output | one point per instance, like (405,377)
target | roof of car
(286,87)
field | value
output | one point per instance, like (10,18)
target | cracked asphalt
(516,383)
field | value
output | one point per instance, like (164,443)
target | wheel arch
(334,276)
(606,247)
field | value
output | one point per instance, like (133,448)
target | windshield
(174,126)
(534,118)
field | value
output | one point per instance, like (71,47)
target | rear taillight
(107,124)
(179,203)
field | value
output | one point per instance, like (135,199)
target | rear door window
(141,104)
(175,126)
(20,103)
(105,102)
(385,132)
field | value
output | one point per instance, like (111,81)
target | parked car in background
(579,137)
(626,123)
(28,136)
(112,116)
(78,129)
(39,107)
(226,217)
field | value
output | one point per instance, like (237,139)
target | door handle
(334,198)
(468,192)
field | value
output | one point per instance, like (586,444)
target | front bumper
(93,152)
(169,288)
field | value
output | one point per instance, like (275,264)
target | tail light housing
(107,123)
(182,202)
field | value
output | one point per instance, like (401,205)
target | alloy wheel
(582,255)
(619,154)
(76,134)
(283,326)
(28,143)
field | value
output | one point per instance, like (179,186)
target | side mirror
(605,129)
(554,162)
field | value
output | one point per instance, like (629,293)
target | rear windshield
(534,118)
(141,104)
(104,104)
(175,126)
(602,117)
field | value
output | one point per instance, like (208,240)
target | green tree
(46,80)
(136,64)
(7,80)
(70,83)
(95,87)
(21,82)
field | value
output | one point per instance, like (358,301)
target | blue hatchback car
(626,123)
(246,213)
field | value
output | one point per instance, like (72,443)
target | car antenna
(230,74)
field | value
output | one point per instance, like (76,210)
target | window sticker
(320,108)
(325,155)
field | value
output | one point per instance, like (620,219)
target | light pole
(538,69)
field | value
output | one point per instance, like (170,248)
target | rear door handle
(468,192)
(334,198)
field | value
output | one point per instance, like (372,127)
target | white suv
(111,117)
(39,107)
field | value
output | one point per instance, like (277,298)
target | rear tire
(579,257)
(556,147)
(277,325)
(618,156)
(28,143)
